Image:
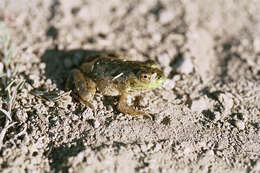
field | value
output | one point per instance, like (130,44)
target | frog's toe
(129,110)
(86,103)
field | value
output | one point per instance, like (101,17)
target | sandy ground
(205,119)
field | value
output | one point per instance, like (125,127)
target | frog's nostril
(163,79)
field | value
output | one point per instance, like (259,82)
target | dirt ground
(206,118)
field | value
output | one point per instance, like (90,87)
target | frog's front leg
(83,86)
(125,108)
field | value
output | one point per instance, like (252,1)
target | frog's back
(114,69)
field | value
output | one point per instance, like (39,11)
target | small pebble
(1,68)
(240,124)
(217,116)
(200,105)
(144,147)
(256,167)
(157,148)
(164,59)
(96,124)
(187,150)
(257,45)
(186,66)
(227,100)
(169,84)
(42,66)
(21,115)
(210,153)
(166,16)
(75,117)
(88,113)
(157,37)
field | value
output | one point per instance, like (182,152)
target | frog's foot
(83,88)
(126,109)
(129,110)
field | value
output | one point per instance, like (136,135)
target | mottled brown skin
(112,76)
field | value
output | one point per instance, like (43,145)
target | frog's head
(147,77)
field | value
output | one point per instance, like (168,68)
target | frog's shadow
(55,68)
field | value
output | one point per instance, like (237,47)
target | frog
(112,75)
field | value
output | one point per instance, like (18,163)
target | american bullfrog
(110,75)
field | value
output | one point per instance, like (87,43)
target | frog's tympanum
(110,75)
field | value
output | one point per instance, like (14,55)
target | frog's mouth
(156,83)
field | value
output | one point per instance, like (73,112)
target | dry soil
(206,118)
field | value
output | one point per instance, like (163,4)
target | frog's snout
(160,79)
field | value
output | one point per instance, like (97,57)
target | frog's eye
(145,77)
